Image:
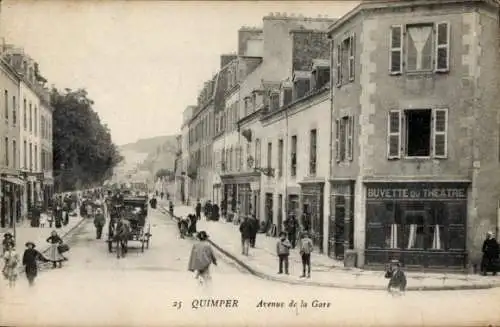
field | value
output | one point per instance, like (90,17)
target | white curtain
(436,243)
(413,236)
(394,236)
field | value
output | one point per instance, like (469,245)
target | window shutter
(350,137)
(337,140)
(351,57)
(442,47)
(440,132)
(396,53)
(339,64)
(394,135)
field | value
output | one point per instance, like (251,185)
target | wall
(308,45)
(246,34)
(9,82)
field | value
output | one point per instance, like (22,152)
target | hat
(8,234)
(30,243)
(305,233)
(490,233)
(202,235)
(282,234)
(395,262)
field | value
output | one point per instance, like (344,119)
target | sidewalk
(326,272)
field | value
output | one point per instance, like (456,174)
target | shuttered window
(396,53)
(442,47)
(339,64)
(394,135)
(351,60)
(440,131)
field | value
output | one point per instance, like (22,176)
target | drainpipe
(330,159)
(285,175)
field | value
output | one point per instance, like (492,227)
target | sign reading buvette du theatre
(401,191)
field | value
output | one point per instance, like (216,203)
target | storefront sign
(416,191)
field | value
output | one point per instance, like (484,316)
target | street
(96,288)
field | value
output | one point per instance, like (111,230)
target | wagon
(135,212)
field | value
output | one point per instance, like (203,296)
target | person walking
(30,258)
(246,231)
(255,229)
(54,255)
(11,262)
(198,210)
(283,251)
(291,229)
(202,256)
(489,263)
(306,247)
(99,221)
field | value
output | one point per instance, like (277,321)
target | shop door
(339,228)
(269,211)
(414,238)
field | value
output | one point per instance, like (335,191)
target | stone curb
(78,224)
(266,276)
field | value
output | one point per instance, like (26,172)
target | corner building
(415,167)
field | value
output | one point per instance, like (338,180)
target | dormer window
(254,101)
(247,107)
(286,93)
(301,84)
(274,101)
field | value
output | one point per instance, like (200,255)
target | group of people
(30,258)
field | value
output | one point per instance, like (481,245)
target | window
(287,96)
(269,154)
(31,118)
(345,60)
(248,154)
(302,87)
(14,154)
(6,103)
(31,157)
(257,153)
(254,101)
(6,147)
(280,157)
(25,155)
(247,106)
(25,115)
(344,138)
(322,77)
(274,102)
(426,46)
(293,157)
(418,133)
(44,160)
(14,113)
(312,151)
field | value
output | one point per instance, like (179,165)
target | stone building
(45,136)
(186,117)
(415,166)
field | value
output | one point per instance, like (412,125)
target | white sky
(142,62)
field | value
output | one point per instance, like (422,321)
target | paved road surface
(97,289)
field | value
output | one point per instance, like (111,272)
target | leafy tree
(163,172)
(83,152)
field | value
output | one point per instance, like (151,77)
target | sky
(142,62)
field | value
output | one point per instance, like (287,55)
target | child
(11,261)
(283,251)
(43,219)
(50,218)
(397,278)
(306,247)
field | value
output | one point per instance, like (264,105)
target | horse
(121,235)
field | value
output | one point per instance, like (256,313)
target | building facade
(186,117)
(11,183)
(45,135)
(415,114)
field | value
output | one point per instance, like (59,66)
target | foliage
(84,154)
(163,172)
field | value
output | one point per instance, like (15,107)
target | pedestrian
(30,258)
(306,247)
(255,229)
(192,224)
(291,229)
(54,255)
(215,212)
(11,262)
(59,217)
(8,241)
(171,208)
(397,278)
(43,219)
(489,262)
(198,210)
(202,256)
(246,231)
(283,251)
(50,218)
(99,221)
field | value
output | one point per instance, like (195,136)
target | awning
(13,180)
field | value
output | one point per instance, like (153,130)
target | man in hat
(99,222)
(30,258)
(306,247)
(397,278)
(491,251)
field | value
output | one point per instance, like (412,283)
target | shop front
(422,224)
(312,211)
(240,193)
(341,220)
(12,188)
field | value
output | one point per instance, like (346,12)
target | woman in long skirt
(30,258)
(54,255)
(11,261)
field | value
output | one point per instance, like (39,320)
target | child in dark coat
(397,278)
(283,251)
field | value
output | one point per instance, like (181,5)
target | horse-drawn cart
(129,223)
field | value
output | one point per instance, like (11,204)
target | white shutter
(350,137)
(339,64)
(337,140)
(396,53)
(440,133)
(351,57)
(442,48)
(394,134)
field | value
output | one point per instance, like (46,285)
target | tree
(83,152)
(166,173)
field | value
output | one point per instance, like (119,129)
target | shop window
(417,133)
